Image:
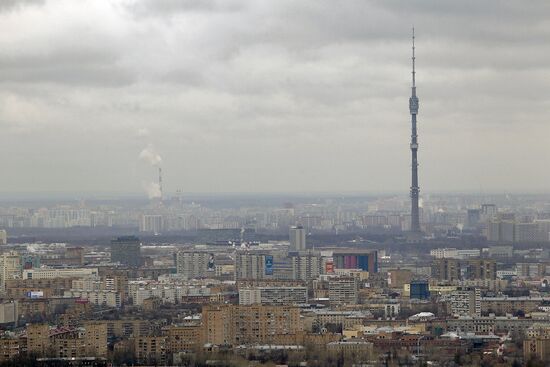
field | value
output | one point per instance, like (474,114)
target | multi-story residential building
(307,266)
(297,237)
(495,285)
(99,298)
(465,301)
(510,305)
(494,324)
(38,338)
(488,211)
(45,273)
(72,256)
(352,348)
(530,270)
(252,265)
(95,338)
(502,231)
(273,295)
(184,338)
(195,264)
(346,319)
(10,268)
(543,229)
(446,269)
(153,223)
(9,347)
(9,312)
(127,327)
(538,329)
(237,324)
(481,269)
(18,288)
(501,251)
(526,232)
(151,350)
(66,342)
(343,290)
(397,278)
(538,348)
(444,253)
(453,253)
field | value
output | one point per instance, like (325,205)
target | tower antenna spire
(413,61)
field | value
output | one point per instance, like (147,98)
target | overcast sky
(273,96)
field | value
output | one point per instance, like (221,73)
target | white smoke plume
(153,190)
(150,155)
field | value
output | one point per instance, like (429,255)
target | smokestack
(160,183)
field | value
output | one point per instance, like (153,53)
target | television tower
(415,190)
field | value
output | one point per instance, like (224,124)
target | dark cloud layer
(8,5)
(266,95)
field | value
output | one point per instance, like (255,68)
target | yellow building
(9,348)
(505,305)
(10,268)
(184,338)
(397,278)
(537,348)
(151,349)
(67,342)
(359,349)
(129,327)
(239,324)
(50,286)
(38,340)
(95,338)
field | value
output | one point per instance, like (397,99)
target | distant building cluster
(440,217)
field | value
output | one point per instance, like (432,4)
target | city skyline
(304,102)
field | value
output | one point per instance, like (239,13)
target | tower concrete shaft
(415,189)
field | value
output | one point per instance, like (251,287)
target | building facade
(126,251)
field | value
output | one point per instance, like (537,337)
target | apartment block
(238,324)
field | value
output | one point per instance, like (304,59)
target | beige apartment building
(239,324)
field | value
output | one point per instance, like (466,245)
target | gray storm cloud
(295,95)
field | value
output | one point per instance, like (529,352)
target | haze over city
(272,96)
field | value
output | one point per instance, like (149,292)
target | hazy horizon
(140,196)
